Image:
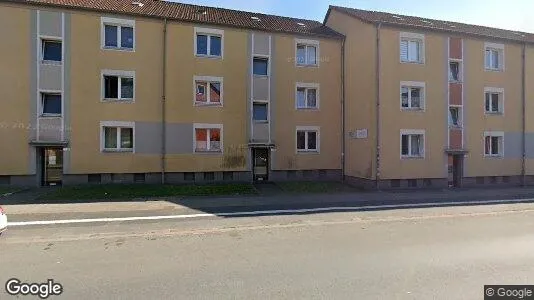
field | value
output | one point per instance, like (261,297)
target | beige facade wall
(15,125)
(360,92)
(286,117)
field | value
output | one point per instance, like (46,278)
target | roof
(195,14)
(376,17)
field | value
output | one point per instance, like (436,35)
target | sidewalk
(191,205)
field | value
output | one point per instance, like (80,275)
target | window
(412,143)
(260,66)
(117,136)
(307,95)
(494,57)
(454,71)
(412,95)
(412,48)
(208,42)
(118,85)
(51,50)
(259,112)
(493,101)
(307,139)
(208,90)
(307,52)
(454,117)
(493,143)
(118,34)
(208,138)
(50,104)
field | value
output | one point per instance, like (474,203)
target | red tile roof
(376,17)
(195,14)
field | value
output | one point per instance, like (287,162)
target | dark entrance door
(260,167)
(52,166)
(457,169)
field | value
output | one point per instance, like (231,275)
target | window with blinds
(411,50)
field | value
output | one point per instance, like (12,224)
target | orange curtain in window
(202,135)
(215,135)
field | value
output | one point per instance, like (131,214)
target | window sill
(200,151)
(117,150)
(114,100)
(208,56)
(494,70)
(208,104)
(490,113)
(455,81)
(412,109)
(51,62)
(308,108)
(412,157)
(307,65)
(412,62)
(260,76)
(494,156)
(307,151)
(118,49)
(50,116)
(459,127)
(261,121)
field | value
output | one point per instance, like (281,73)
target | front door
(261,164)
(457,170)
(52,167)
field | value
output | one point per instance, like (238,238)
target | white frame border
(411,36)
(208,32)
(501,102)
(120,74)
(119,124)
(412,132)
(316,44)
(493,134)
(119,23)
(207,126)
(416,84)
(208,79)
(317,129)
(307,85)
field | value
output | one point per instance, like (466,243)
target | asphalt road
(437,253)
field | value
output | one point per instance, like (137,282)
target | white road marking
(267,212)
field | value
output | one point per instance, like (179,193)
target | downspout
(163,105)
(523,111)
(343,130)
(378,97)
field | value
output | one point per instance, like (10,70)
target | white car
(3,221)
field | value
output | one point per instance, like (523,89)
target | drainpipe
(163,106)
(378,96)
(343,136)
(523,111)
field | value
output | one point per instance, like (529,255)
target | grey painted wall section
(50,129)
(512,144)
(260,85)
(147,137)
(50,23)
(179,138)
(261,132)
(50,77)
(32,134)
(66,90)
(261,44)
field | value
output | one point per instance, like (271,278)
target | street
(429,253)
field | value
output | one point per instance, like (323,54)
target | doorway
(52,166)
(260,168)
(457,170)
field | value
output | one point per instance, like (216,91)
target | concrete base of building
(388,184)
(305,175)
(19,180)
(480,181)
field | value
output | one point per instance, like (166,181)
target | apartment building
(153,91)
(431,103)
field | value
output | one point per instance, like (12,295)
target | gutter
(523,112)
(163,103)
(378,98)
(343,130)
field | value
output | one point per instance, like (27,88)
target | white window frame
(209,32)
(308,86)
(494,90)
(119,23)
(118,125)
(413,84)
(207,126)
(307,43)
(417,37)
(460,116)
(208,80)
(499,48)
(460,70)
(412,132)
(499,134)
(307,129)
(120,74)
(41,103)
(51,39)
